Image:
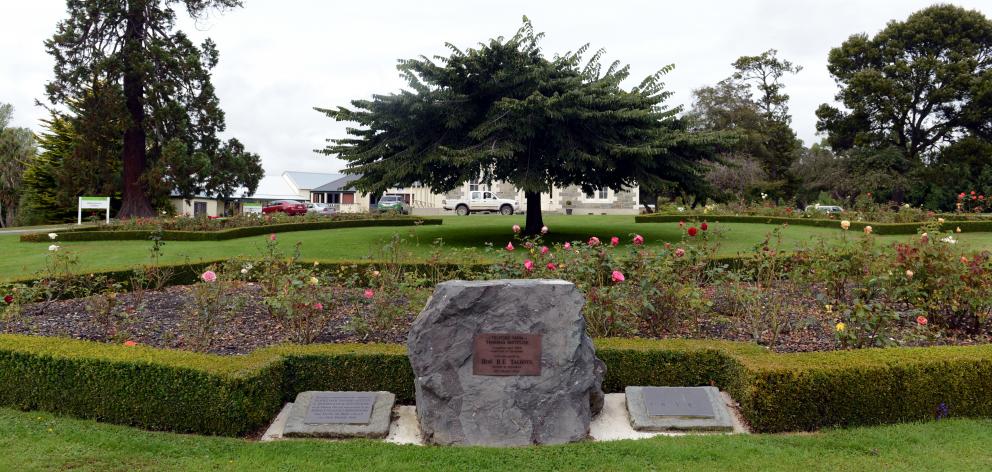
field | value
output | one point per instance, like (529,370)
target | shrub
(96,234)
(199,393)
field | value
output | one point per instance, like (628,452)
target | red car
(288,207)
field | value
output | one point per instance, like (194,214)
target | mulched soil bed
(156,318)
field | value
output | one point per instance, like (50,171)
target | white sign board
(93,203)
(251,208)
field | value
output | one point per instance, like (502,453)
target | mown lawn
(42,441)
(463,239)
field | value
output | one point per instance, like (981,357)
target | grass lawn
(351,244)
(42,441)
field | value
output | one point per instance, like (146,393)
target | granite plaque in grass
(340,415)
(678,409)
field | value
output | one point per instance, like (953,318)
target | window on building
(599,194)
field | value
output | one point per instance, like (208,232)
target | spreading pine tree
(505,112)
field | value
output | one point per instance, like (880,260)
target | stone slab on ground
(611,424)
(642,420)
(378,426)
(504,363)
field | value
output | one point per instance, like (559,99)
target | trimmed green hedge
(94,234)
(236,395)
(877,228)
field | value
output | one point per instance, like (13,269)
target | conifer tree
(163,77)
(504,111)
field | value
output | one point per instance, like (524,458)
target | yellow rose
(958,230)
(909,274)
(840,327)
(940,220)
(845,225)
(314,281)
(867,229)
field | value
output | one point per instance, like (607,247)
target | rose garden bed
(296,325)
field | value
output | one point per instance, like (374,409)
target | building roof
(344,183)
(309,180)
(273,187)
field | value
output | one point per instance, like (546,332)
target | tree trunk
(535,220)
(135,202)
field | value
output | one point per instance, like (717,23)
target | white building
(336,189)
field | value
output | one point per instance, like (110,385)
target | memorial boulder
(504,363)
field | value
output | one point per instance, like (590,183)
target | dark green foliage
(505,112)
(94,234)
(920,87)
(164,98)
(235,395)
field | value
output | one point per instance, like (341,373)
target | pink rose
(551,266)
(618,276)
(594,241)
(544,249)
(209,276)
(369,293)
(509,246)
(614,241)
(516,228)
(544,230)
(272,237)
(529,265)
(679,252)
(567,245)
(638,239)
(318,306)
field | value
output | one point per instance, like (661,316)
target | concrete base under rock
(640,419)
(377,427)
(611,424)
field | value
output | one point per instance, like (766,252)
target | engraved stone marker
(504,363)
(678,409)
(678,401)
(340,408)
(340,415)
(506,354)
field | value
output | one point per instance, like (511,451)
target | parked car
(323,209)
(824,209)
(392,203)
(289,207)
(482,201)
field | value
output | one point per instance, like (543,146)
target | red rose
(921,320)
(8,299)
(693,231)
(704,226)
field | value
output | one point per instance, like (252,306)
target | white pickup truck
(481,201)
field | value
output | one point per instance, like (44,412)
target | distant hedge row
(94,234)
(877,228)
(236,395)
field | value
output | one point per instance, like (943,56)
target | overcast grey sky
(280,58)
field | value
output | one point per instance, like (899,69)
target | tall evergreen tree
(504,111)
(163,77)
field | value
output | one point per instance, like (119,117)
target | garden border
(877,228)
(237,395)
(95,234)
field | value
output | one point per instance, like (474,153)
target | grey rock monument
(504,363)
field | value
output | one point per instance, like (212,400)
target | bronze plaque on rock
(506,354)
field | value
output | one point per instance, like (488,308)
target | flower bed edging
(93,234)
(877,228)
(235,395)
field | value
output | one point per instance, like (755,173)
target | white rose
(53,247)
(244,271)
(52,235)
